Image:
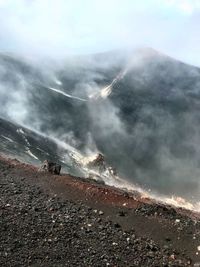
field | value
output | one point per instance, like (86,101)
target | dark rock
(48,166)
(121,213)
(117,225)
(98,163)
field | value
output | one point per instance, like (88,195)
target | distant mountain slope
(141,110)
(34,148)
(158,104)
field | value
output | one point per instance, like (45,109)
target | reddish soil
(169,227)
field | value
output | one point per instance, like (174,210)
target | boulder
(51,167)
(98,163)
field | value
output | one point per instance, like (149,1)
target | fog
(147,124)
(59,28)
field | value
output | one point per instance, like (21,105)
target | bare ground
(48,220)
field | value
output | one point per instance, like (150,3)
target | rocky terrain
(128,119)
(50,220)
(139,108)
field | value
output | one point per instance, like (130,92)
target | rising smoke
(140,108)
(147,127)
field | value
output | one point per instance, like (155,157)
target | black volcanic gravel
(40,230)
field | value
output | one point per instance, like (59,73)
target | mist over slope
(139,108)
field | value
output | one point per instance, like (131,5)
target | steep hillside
(139,108)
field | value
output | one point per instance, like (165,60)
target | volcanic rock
(98,163)
(48,166)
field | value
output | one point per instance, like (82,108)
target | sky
(56,28)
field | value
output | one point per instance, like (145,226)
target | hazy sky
(60,27)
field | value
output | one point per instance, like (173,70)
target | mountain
(32,147)
(139,108)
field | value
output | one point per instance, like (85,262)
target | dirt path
(65,221)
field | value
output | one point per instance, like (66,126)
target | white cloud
(59,27)
(185,6)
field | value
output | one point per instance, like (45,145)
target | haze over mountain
(99,133)
(139,108)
